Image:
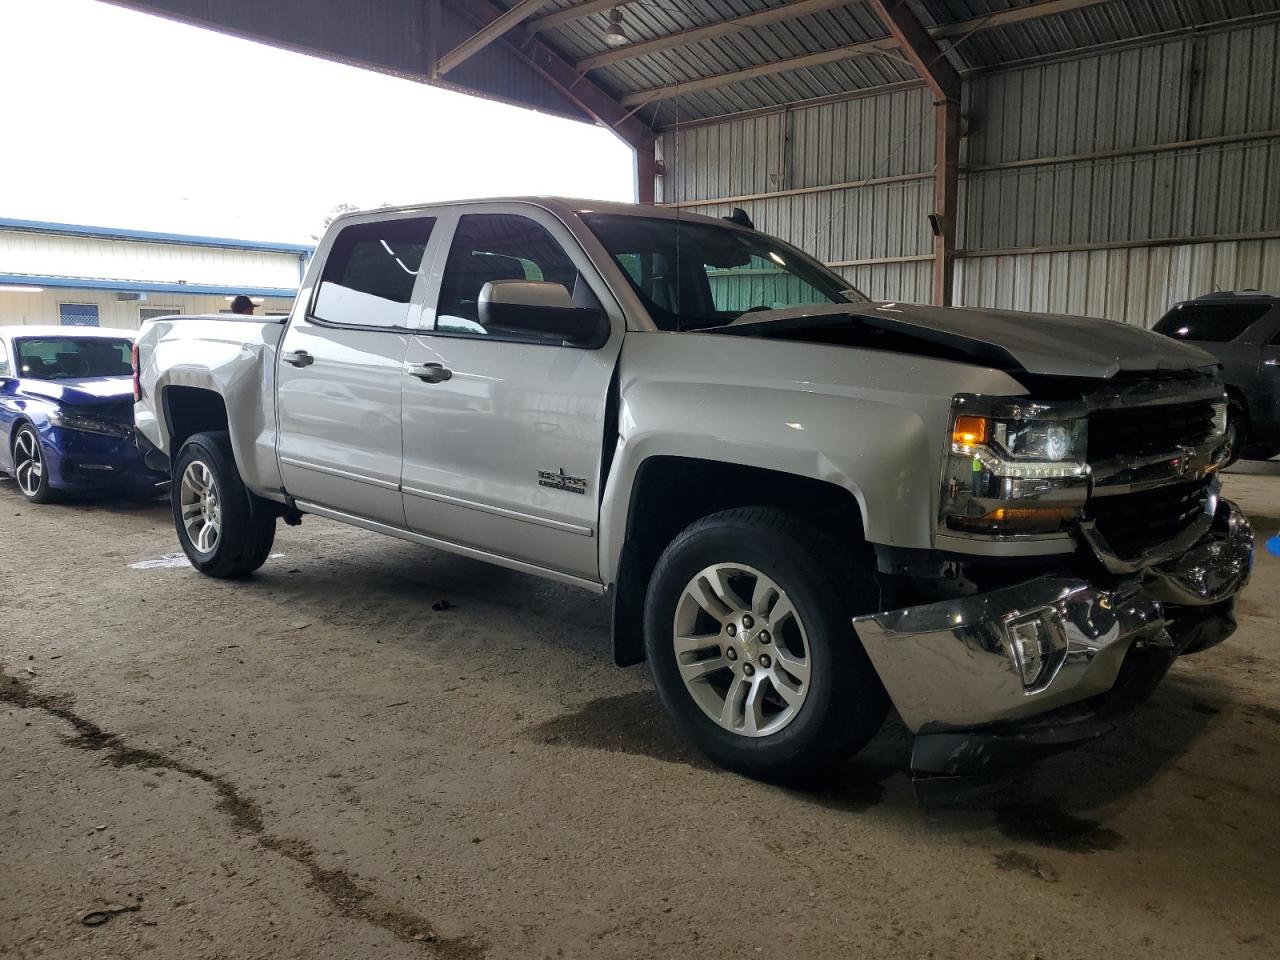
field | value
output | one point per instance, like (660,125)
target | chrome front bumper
(1015,653)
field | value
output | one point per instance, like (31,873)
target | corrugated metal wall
(811,157)
(1061,206)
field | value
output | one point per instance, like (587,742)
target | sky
(117,118)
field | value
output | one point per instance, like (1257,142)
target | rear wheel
(224,529)
(29,468)
(749,640)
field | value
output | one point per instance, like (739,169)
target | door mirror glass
(539,308)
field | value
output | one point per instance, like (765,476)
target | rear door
(340,372)
(1268,420)
(504,455)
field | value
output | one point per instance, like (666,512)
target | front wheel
(224,529)
(29,467)
(749,639)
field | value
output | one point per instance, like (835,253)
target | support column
(946,181)
(646,169)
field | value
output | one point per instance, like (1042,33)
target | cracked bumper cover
(953,669)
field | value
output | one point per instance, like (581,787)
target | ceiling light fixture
(616,34)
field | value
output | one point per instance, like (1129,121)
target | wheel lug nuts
(764,636)
(731,630)
(748,669)
(765,661)
(747,622)
(731,653)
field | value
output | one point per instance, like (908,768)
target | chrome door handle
(429,372)
(299,358)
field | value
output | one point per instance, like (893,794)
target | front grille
(1133,522)
(1145,430)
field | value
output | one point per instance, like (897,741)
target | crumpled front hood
(87,392)
(1037,343)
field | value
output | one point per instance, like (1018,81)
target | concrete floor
(317,764)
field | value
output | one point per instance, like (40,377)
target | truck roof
(558,205)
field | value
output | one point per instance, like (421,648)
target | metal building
(102,276)
(1092,156)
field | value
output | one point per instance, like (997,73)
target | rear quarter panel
(233,358)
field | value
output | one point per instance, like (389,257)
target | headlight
(1014,468)
(1220,418)
(75,421)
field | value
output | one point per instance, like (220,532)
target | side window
(369,275)
(1210,322)
(500,247)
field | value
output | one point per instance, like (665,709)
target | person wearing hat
(242,304)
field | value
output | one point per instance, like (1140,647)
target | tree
(339,209)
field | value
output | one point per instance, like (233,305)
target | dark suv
(1243,331)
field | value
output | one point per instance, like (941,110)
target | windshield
(693,275)
(67,358)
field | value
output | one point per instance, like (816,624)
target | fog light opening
(1035,646)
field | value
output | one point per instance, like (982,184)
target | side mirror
(540,307)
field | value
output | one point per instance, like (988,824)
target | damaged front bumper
(991,680)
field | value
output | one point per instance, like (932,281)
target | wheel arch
(190,410)
(670,492)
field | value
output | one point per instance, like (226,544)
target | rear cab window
(1210,322)
(370,273)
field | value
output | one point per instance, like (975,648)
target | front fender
(870,422)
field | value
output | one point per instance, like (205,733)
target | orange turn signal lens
(969,430)
(1015,520)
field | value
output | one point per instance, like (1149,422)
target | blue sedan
(66,413)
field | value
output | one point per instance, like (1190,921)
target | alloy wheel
(201,509)
(28,462)
(741,650)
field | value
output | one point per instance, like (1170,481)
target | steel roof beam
(575,12)
(834,55)
(1033,11)
(920,49)
(503,24)
(573,85)
(788,11)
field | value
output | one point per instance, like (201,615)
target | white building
(103,276)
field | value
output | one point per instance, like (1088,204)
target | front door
(503,441)
(340,373)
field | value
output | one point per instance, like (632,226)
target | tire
(827,716)
(29,467)
(230,534)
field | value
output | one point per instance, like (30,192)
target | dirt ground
(317,763)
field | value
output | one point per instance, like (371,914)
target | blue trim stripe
(143,286)
(181,239)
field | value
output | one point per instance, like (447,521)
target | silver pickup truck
(803,505)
